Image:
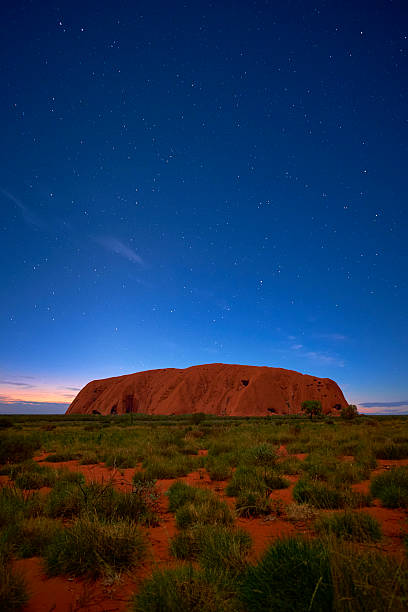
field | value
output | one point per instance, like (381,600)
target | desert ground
(205,513)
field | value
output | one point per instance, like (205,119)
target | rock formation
(217,388)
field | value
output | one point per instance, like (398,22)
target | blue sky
(191,183)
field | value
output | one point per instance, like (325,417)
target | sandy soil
(69,595)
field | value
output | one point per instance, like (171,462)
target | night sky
(196,182)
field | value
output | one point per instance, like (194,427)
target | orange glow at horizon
(39,394)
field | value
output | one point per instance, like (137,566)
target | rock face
(217,388)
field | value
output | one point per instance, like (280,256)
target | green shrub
(291,466)
(121,459)
(349,412)
(392,488)
(275,481)
(89,458)
(210,511)
(218,469)
(252,504)
(312,408)
(321,495)
(365,580)
(262,455)
(90,548)
(61,457)
(180,493)
(216,547)
(197,418)
(104,501)
(245,479)
(357,526)
(34,535)
(158,467)
(16,447)
(186,544)
(292,576)
(14,505)
(183,588)
(390,450)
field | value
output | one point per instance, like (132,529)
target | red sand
(61,594)
(217,388)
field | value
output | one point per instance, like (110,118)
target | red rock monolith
(216,388)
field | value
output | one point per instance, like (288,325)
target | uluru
(217,388)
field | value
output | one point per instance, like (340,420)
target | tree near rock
(312,408)
(349,412)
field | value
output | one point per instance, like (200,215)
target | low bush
(391,450)
(218,469)
(245,479)
(61,457)
(217,548)
(321,495)
(182,588)
(181,493)
(158,467)
(391,488)
(91,548)
(357,526)
(291,466)
(16,447)
(253,504)
(292,576)
(366,580)
(209,511)
(15,505)
(104,501)
(262,455)
(33,535)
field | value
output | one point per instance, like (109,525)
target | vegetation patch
(357,526)
(392,488)
(92,548)
(321,495)
(292,576)
(183,588)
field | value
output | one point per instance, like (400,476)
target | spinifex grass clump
(183,588)
(293,576)
(291,466)
(217,548)
(196,506)
(61,457)
(210,511)
(391,450)
(218,468)
(357,526)
(33,535)
(16,447)
(366,580)
(180,493)
(92,548)
(263,455)
(31,475)
(322,495)
(160,467)
(255,480)
(15,505)
(392,488)
(13,590)
(103,501)
(253,504)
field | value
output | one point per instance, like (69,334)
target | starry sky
(196,182)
